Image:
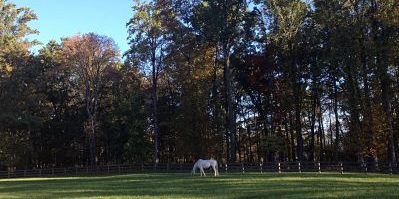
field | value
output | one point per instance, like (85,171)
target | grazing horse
(204,164)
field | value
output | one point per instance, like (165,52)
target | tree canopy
(238,81)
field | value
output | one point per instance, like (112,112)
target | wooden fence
(279,167)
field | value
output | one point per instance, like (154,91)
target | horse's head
(194,168)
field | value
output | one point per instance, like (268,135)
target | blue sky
(63,18)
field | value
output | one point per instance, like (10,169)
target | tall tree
(15,119)
(147,39)
(288,19)
(221,23)
(90,55)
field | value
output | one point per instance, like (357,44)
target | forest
(234,80)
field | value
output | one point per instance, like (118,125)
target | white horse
(204,164)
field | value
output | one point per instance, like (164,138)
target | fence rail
(278,167)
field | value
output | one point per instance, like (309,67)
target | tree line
(236,80)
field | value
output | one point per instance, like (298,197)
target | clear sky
(63,18)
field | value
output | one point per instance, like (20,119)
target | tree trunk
(154,95)
(92,142)
(323,138)
(395,136)
(293,152)
(355,125)
(287,140)
(231,129)
(249,141)
(331,133)
(396,119)
(367,112)
(215,101)
(296,87)
(312,126)
(298,123)
(386,103)
(337,135)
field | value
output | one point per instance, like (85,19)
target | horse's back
(210,162)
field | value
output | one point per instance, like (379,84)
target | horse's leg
(214,170)
(215,167)
(202,170)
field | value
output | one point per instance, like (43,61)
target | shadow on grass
(236,186)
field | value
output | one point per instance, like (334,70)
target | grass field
(250,185)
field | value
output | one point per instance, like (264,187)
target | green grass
(250,185)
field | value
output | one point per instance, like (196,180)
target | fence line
(279,167)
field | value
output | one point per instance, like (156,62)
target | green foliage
(288,18)
(147,35)
(126,119)
(14,21)
(13,31)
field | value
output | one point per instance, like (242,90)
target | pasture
(183,185)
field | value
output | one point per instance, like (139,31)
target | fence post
(243,169)
(342,167)
(65,171)
(119,169)
(318,165)
(261,167)
(390,168)
(25,173)
(76,171)
(40,172)
(299,167)
(279,167)
(225,168)
(364,164)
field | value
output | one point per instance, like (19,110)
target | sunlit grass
(249,185)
